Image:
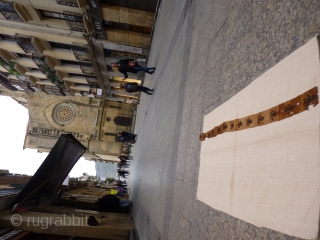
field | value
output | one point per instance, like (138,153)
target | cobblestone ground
(205,52)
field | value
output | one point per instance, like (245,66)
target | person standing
(109,202)
(130,65)
(126,137)
(123,173)
(134,87)
(123,164)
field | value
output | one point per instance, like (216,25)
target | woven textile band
(277,113)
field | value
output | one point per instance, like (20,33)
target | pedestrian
(124,161)
(121,183)
(125,157)
(130,65)
(109,201)
(132,101)
(123,173)
(121,190)
(127,134)
(127,145)
(123,164)
(134,87)
(127,137)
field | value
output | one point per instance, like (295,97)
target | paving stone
(204,56)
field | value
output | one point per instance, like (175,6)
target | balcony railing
(25,42)
(70,3)
(5,82)
(41,62)
(9,66)
(52,90)
(48,71)
(5,64)
(81,52)
(25,80)
(94,85)
(74,21)
(67,92)
(51,75)
(24,86)
(8,11)
(86,69)
(22,78)
(89,74)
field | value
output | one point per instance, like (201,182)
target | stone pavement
(205,52)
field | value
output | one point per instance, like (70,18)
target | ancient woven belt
(277,113)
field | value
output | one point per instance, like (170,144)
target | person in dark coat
(123,173)
(109,201)
(130,65)
(134,87)
(127,137)
(125,157)
(123,164)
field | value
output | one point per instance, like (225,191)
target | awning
(52,172)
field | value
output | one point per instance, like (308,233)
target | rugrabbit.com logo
(46,221)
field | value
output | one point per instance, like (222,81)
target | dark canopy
(52,172)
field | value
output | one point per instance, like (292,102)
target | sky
(13,124)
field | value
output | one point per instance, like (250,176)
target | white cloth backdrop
(269,175)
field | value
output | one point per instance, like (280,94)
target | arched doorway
(123,121)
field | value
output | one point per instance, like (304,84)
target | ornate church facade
(94,122)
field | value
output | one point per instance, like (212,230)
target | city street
(204,51)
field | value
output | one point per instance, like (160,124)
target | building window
(21,85)
(75,62)
(27,45)
(70,3)
(4,82)
(73,20)
(7,37)
(18,87)
(61,45)
(64,113)
(139,5)
(52,14)
(125,26)
(52,90)
(110,134)
(77,75)
(8,11)
(121,54)
(21,55)
(67,46)
(140,29)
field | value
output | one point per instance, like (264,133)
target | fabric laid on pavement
(282,111)
(268,175)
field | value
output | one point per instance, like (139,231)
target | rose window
(64,113)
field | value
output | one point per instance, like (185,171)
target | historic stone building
(62,47)
(94,122)
(53,60)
